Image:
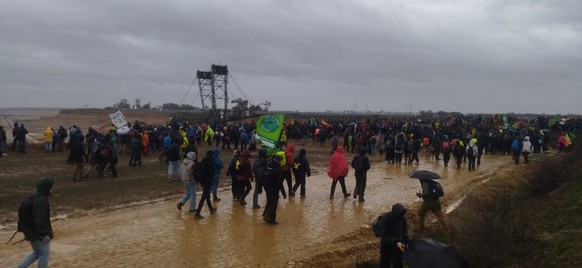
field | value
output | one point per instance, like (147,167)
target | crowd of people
(398,142)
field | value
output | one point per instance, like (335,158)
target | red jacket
(338,165)
(288,157)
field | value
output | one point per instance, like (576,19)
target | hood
(340,149)
(216,151)
(210,154)
(44,185)
(398,210)
(302,152)
(290,148)
(191,155)
(362,151)
(246,154)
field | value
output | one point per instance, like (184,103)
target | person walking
(472,151)
(516,147)
(3,139)
(205,180)
(49,136)
(286,168)
(430,202)
(42,233)
(394,236)
(173,156)
(446,148)
(338,170)
(188,182)
(230,171)
(244,176)
(361,165)
(22,139)
(271,180)
(301,170)
(526,149)
(258,168)
(15,131)
(218,166)
(77,156)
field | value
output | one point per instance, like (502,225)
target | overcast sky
(471,56)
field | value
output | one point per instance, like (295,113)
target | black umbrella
(429,253)
(424,175)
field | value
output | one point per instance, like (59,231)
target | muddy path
(314,231)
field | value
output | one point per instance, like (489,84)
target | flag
(269,129)
(118,119)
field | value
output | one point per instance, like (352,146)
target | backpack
(25,218)
(240,167)
(296,164)
(359,163)
(435,189)
(446,146)
(197,172)
(470,152)
(380,225)
(399,146)
(105,152)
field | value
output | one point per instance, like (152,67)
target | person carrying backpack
(392,228)
(430,202)
(361,164)
(301,170)
(472,151)
(42,232)
(258,169)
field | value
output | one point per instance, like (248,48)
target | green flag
(269,129)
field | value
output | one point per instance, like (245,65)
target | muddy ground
(132,221)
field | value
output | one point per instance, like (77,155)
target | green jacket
(41,211)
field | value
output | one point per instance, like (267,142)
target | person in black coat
(301,170)
(207,166)
(394,237)
(361,164)
(272,182)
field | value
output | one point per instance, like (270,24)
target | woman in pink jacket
(338,170)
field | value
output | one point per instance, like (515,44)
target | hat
(191,155)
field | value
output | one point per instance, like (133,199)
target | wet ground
(157,235)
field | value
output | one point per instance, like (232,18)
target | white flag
(118,119)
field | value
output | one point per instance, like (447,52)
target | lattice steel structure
(214,86)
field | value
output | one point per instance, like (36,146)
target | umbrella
(424,175)
(427,252)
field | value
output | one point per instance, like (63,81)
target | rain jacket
(48,135)
(187,165)
(41,211)
(209,135)
(288,158)
(338,165)
(397,230)
(207,170)
(218,164)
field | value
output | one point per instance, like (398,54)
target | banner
(118,119)
(269,129)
